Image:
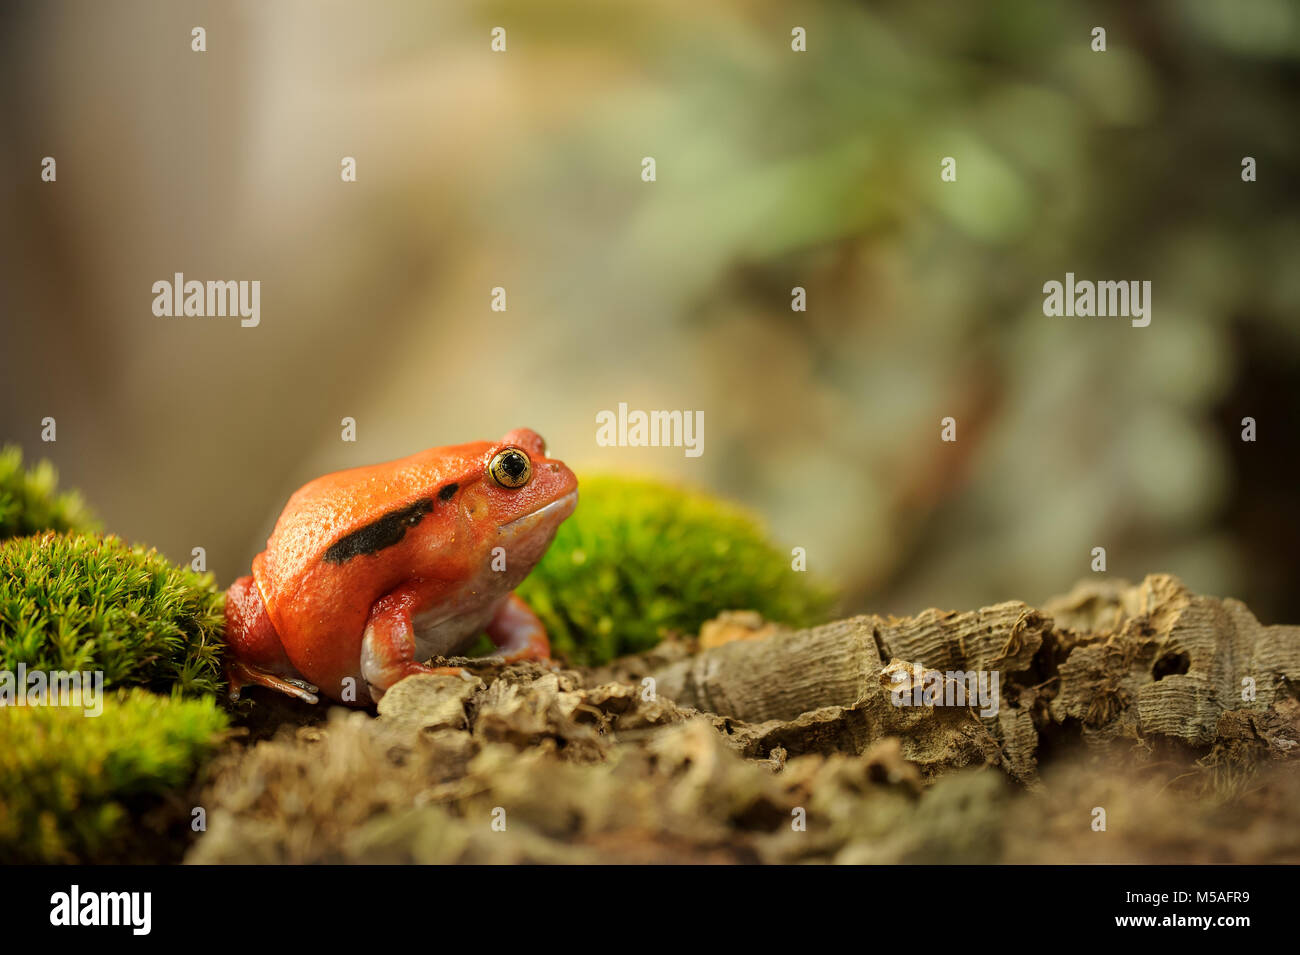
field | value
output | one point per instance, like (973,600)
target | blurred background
(775,169)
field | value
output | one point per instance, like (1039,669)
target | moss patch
(30,500)
(639,558)
(82,602)
(66,779)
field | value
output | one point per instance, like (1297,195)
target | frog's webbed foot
(241,674)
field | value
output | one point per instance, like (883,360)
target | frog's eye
(511,468)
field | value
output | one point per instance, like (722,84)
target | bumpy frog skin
(373,569)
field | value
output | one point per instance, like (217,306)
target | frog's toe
(241,674)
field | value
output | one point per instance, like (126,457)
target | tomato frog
(372,570)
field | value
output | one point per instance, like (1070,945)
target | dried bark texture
(804,757)
(672,788)
(1129,663)
(1157,659)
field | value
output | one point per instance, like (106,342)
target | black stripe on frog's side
(448,492)
(380,534)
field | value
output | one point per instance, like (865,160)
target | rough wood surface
(592,766)
(1162,660)
(1123,663)
(781,676)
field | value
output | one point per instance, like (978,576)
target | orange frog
(371,570)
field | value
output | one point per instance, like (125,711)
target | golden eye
(511,468)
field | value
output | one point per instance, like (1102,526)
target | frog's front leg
(518,633)
(388,645)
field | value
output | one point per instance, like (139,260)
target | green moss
(30,500)
(639,558)
(66,779)
(83,602)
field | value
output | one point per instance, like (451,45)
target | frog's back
(332,520)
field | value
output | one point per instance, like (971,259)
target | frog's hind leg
(518,633)
(254,655)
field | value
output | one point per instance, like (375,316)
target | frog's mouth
(548,515)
